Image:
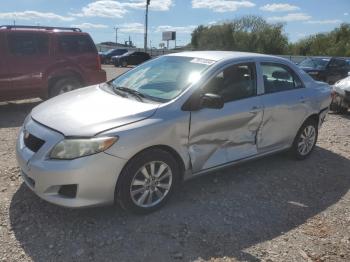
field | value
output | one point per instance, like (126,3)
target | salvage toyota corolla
(135,138)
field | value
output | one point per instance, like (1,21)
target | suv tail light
(98,62)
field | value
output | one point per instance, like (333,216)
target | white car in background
(341,96)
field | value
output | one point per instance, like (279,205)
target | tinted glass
(337,63)
(316,63)
(76,44)
(279,78)
(28,44)
(234,83)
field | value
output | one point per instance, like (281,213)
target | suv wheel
(306,139)
(63,86)
(147,181)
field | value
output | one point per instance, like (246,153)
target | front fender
(155,131)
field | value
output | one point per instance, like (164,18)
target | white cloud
(90,26)
(290,17)
(179,29)
(279,8)
(131,28)
(346,14)
(116,9)
(103,8)
(34,15)
(221,5)
(155,5)
(324,22)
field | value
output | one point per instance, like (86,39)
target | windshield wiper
(135,93)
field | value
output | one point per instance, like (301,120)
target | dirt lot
(273,209)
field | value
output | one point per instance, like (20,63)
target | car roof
(42,29)
(220,55)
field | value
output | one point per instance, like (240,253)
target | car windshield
(109,51)
(316,63)
(164,78)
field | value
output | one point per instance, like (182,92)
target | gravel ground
(273,209)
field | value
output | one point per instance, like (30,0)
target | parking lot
(273,209)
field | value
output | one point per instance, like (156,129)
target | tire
(342,110)
(64,85)
(148,195)
(124,63)
(305,140)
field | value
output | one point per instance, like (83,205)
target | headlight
(74,148)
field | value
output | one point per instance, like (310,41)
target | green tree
(249,33)
(334,43)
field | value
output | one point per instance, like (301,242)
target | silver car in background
(135,138)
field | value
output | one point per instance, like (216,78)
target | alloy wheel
(307,140)
(151,184)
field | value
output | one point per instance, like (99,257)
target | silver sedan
(135,138)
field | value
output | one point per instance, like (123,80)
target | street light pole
(116,35)
(146,24)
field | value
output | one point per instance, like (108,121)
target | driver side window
(234,82)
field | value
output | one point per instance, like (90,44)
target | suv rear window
(28,43)
(76,44)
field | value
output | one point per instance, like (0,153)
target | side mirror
(214,101)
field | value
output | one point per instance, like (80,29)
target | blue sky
(99,17)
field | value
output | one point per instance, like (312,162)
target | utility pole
(116,35)
(146,24)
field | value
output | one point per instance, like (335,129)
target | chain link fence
(159,52)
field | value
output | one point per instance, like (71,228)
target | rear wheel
(147,182)
(306,139)
(64,85)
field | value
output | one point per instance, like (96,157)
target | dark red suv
(38,61)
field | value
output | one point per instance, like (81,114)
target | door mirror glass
(214,101)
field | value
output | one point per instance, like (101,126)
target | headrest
(281,75)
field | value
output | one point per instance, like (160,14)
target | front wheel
(124,63)
(306,139)
(147,181)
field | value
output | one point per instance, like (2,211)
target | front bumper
(94,177)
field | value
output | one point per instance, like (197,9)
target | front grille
(32,142)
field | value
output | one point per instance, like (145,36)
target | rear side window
(76,44)
(28,44)
(337,63)
(278,78)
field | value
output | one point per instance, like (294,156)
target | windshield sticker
(202,61)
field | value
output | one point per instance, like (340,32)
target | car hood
(89,111)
